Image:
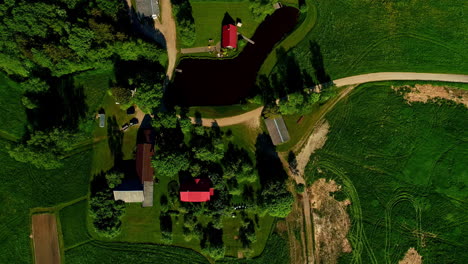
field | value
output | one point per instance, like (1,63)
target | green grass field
(104,252)
(12,112)
(25,187)
(73,222)
(404,167)
(356,37)
(209,15)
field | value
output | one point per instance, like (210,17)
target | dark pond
(225,82)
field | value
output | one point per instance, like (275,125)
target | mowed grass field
(405,169)
(356,37)
(208,16)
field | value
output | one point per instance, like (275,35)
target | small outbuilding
(196,191)
(277,130)
(229,37)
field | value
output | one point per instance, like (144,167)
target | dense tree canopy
(106,213)
(45,149)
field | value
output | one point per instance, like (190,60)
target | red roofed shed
(229,36)
(198,190)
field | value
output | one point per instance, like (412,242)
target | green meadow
(356,37)
(404,168)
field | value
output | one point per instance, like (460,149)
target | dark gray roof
(277,130)
(147,7)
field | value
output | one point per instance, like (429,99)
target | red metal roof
(143,162)
(198,190)
(195,197)
(229,36)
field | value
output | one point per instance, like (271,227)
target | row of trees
(185,21)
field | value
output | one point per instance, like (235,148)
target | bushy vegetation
(403,169)
(185,23)
(45,150)
(106,213)
(44,46)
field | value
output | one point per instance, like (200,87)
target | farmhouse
(141,190)
(196,190)
(277,130)
(229,37)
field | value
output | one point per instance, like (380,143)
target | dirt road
(392,76)
(251,116)
(352,80)
(167,26)
(45,238)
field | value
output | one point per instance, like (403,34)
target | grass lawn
(404,168)
(73,222)
(357,37)
(12,112)
(209,15)
(221,111)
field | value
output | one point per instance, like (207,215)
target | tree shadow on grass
(270,168)
(115,138)
(64,105)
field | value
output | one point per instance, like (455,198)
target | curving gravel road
(357,79)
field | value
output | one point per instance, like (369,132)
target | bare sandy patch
(45,238)
(331,222)
(316,141)
(427,92)
(411,257)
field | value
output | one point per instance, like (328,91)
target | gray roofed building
(130,191)
(148,8)
(277,130)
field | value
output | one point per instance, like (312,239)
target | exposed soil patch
(411,257)
(427,92)
(331,222)
(226,82)
(315,141)
(45,238)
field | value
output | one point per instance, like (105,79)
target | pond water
(228,81)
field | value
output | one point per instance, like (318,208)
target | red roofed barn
(229,37)
(143,167)
(198,190)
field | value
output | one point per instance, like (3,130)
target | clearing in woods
(45,237)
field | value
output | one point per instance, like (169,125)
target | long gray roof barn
(277,130)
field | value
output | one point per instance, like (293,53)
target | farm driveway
(394,76)
(45,237)
(352,80)
(167,26)
(201,49)
(251,117)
